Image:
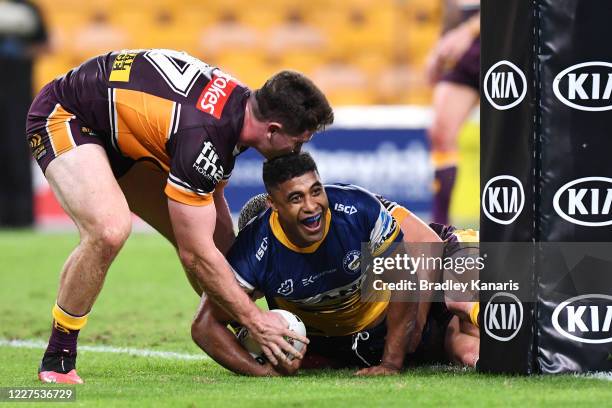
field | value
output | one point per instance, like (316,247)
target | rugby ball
(293,323)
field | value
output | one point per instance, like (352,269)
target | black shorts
(366,348)
(52,130)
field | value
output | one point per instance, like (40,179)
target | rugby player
(454,66)
(156,132)
(299,255)
(462,338)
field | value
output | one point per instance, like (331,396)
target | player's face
(280,143)
(301,204)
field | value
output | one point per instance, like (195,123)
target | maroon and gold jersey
(159,105)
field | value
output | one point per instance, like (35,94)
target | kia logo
(505,85)
(503,316)
(503,199)
(586,86)
(586,319)
(585,201)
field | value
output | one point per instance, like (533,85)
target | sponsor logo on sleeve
(208,163)
(505,85)
(122,66)
(503,316)
(585,319)
(585,201)
(503,199)
(213,98)
(37,146)
(384,231)
(586,86)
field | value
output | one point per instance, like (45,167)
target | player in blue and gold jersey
(303,254)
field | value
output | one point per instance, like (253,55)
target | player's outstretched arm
(401,325)
(194,229)
(209,331)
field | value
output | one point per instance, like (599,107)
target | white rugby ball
(293,323)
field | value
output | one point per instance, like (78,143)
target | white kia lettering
(585,318)
(503,199)
(505,85)
(585,201)
(586,86)
(503,316)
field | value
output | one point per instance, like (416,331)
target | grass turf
(147,303)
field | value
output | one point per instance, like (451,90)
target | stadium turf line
(148,304)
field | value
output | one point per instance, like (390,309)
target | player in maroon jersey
(156,132)
(454,67)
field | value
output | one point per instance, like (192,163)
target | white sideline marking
(170,355)
(600,375)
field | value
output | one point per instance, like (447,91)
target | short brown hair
(294,101)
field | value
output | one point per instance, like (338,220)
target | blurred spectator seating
(362,51)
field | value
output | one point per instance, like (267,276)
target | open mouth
(313,223)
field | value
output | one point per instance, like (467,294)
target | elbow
(188,258)
(199,329)
(198,333)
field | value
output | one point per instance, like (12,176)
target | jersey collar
(278,232)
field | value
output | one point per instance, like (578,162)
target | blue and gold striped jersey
(320,283)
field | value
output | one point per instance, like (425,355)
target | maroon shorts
(52,130)
(467,70)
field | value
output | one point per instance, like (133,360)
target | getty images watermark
(444,270)
(472,271)
(404,263)
(37,394)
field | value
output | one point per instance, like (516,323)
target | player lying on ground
(301,255)
(156,132)
(462,339)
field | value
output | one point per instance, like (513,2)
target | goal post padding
(546,179)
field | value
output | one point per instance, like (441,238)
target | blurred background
(359,51)
(368,56)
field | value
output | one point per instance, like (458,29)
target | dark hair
(283,168)
(295,102)
(255,206)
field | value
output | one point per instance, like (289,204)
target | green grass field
(148,304)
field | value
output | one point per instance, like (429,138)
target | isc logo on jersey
(505,85)
(345,208)
(503,316)
(585,319)
(586,86)
(213,98)
(261,251)
(503,199)
(208,163)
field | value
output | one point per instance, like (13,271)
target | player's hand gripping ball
(293,323)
